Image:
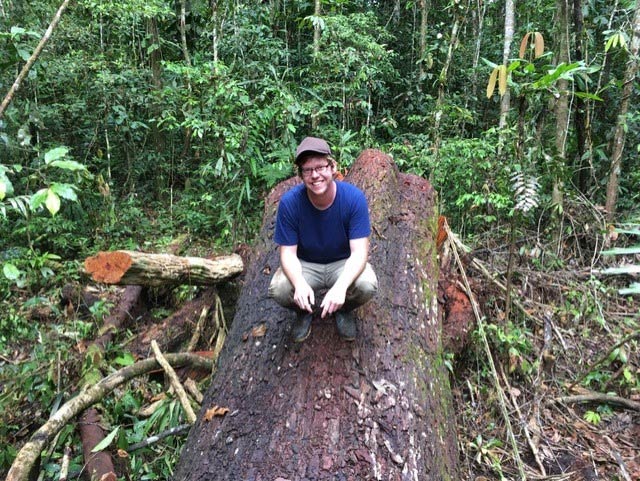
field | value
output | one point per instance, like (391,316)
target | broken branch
(175,382)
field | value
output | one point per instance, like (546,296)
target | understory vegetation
(161,126)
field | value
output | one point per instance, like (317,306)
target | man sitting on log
(322,228)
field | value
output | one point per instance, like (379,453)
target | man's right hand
(304,297)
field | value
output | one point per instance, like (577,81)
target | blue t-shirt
(322,236)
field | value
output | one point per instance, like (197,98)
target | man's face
(317,173)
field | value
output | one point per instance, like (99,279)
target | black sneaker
(302,327)
(346,324)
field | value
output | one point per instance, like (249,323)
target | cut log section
(99,464)
(139,268)
(379,408)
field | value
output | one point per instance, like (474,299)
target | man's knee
(364,290)
(280,289)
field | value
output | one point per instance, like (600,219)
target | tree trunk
(581,106)
(377,408)
(442,83)
(317,31)
(424,22)
(562,103)
(619,136)
(139,268)
(509,28)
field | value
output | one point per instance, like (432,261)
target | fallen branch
(191,386)
(482,268)
(195,337)
(616,455)
(183,428)
(175,382)
(30,452)
(599,398)
(64,465)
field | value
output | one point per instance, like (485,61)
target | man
(322,228)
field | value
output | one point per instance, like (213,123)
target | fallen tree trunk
(139,268)
(378,408)
(175,330)
(119,319)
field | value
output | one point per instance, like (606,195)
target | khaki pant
(322,277)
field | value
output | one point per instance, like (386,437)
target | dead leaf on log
(259,331)
(215,411)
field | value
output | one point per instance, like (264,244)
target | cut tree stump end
(108,267)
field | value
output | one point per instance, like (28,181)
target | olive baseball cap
(312,144)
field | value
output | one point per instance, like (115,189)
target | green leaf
(38,199)
(592,417)
(587,96)
(55,154)
(66,191)
(106,441)
(52,202)
(125,359)
(4,187)
(68,165)
(11,272)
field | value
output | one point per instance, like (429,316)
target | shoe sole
(303,338)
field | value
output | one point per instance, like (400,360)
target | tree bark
(620,133)
(377,408)
(99,466)
(34,56)
(139,268)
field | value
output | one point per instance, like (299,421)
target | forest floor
(567,334)
(563,399)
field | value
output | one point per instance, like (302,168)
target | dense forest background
(144,121)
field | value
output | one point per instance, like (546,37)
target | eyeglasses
(308,171)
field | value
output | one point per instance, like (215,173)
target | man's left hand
(333,300)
